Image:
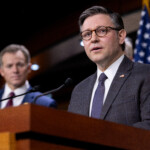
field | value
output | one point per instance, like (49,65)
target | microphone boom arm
(67,82)
(34,89)
(48,92)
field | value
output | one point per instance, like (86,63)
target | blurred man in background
(14,68)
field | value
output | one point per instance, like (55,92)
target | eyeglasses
(100,32)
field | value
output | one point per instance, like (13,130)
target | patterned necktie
(10,101)
(98,97)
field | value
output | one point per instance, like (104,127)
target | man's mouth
(15,77)
(96,48)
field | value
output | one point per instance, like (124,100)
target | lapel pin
(122,76)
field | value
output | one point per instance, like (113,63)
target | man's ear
(122,35)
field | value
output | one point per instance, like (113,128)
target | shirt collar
(112,69)
(17,91)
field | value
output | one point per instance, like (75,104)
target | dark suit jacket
(29,98)
(128,99)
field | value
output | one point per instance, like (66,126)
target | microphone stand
(48,92)
(34,89)
(67,82)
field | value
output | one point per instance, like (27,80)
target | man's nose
(94,37)
(15,68)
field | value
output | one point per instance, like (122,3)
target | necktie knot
(102,78)
(11,94)
(10,101)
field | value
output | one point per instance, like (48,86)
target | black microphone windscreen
(68,81)
(37,87)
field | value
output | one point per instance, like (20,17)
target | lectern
(41,128)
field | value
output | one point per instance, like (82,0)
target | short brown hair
(12,48)
(94,10)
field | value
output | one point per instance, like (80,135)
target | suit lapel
(118,81)
(86,95)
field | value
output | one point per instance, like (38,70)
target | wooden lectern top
(61,127)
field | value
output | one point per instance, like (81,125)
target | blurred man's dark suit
(29,98)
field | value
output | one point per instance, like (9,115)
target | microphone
(67,82)
(34,89)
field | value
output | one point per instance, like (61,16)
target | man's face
(103,50)
(14,69)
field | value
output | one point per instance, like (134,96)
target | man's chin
(17,85)
(97,60)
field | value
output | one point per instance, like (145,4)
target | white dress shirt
(110,72)
(18,100)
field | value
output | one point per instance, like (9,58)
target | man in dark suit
(14,68)
(126,88)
